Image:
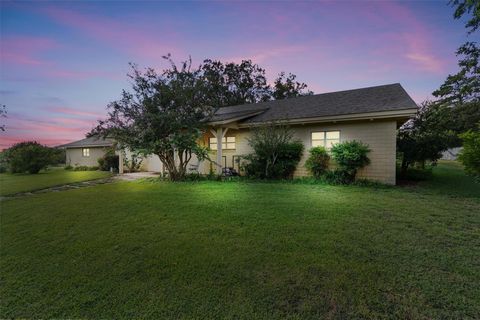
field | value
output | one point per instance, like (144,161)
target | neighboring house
(371,115)
(86,152)
(451,154)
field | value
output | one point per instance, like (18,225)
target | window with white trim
(86,152)
(228,143)
(325,139)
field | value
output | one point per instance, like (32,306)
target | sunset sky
(62,62)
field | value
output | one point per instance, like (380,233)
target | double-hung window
(228,143)
(86,152)
(325,139)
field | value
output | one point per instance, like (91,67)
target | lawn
(14,183)
(243,250)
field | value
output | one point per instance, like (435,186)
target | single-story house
(86,152)
(371,115)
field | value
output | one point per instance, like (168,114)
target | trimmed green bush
(317,162)
(275,155)
(109,160)
(29,156)
(470,154)
(350,156)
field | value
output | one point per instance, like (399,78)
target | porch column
(219,150)
(120,161)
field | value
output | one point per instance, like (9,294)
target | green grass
(242,250)
(449,179)
(14,183)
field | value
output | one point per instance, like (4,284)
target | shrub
(350,156)
(58,156)
(109,160)
(28,157)
(134,163)
(68,167)
(470,154)
(85,168)
(275,155)
(339,176)
(317,162)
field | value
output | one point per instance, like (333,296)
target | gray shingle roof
(389,97)
(93,141)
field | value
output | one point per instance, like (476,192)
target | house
(86,152)
(371,115)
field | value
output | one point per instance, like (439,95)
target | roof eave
(398,115)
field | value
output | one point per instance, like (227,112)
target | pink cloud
(25,50)
(121,35)
(52,132)
(416,43)
(75,112)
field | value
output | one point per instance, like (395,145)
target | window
(325,138)
(227,143)
(86,152)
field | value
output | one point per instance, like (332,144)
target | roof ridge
(313,95)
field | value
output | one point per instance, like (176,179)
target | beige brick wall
(75,158)
(379,135)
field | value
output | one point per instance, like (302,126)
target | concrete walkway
(136,175)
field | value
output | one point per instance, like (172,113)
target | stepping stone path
(83,184)
(75,185)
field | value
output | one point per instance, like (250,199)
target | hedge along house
(86,152)
(370,115)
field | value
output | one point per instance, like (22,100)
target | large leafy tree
(437,125)
(3,114)
(162,115)
(464,86)
(286,86)
(230,84)
(235,83)
(423,138)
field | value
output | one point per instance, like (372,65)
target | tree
(470,155)
(3,114)
(29,156)
(467,7)
(235,84)
(426,136)
(464,86)
(164,115)
(287,87)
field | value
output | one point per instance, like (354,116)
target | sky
(61,63)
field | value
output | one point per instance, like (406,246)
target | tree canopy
(163,115)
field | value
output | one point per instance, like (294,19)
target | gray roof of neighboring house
(390,97)
(93,141)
